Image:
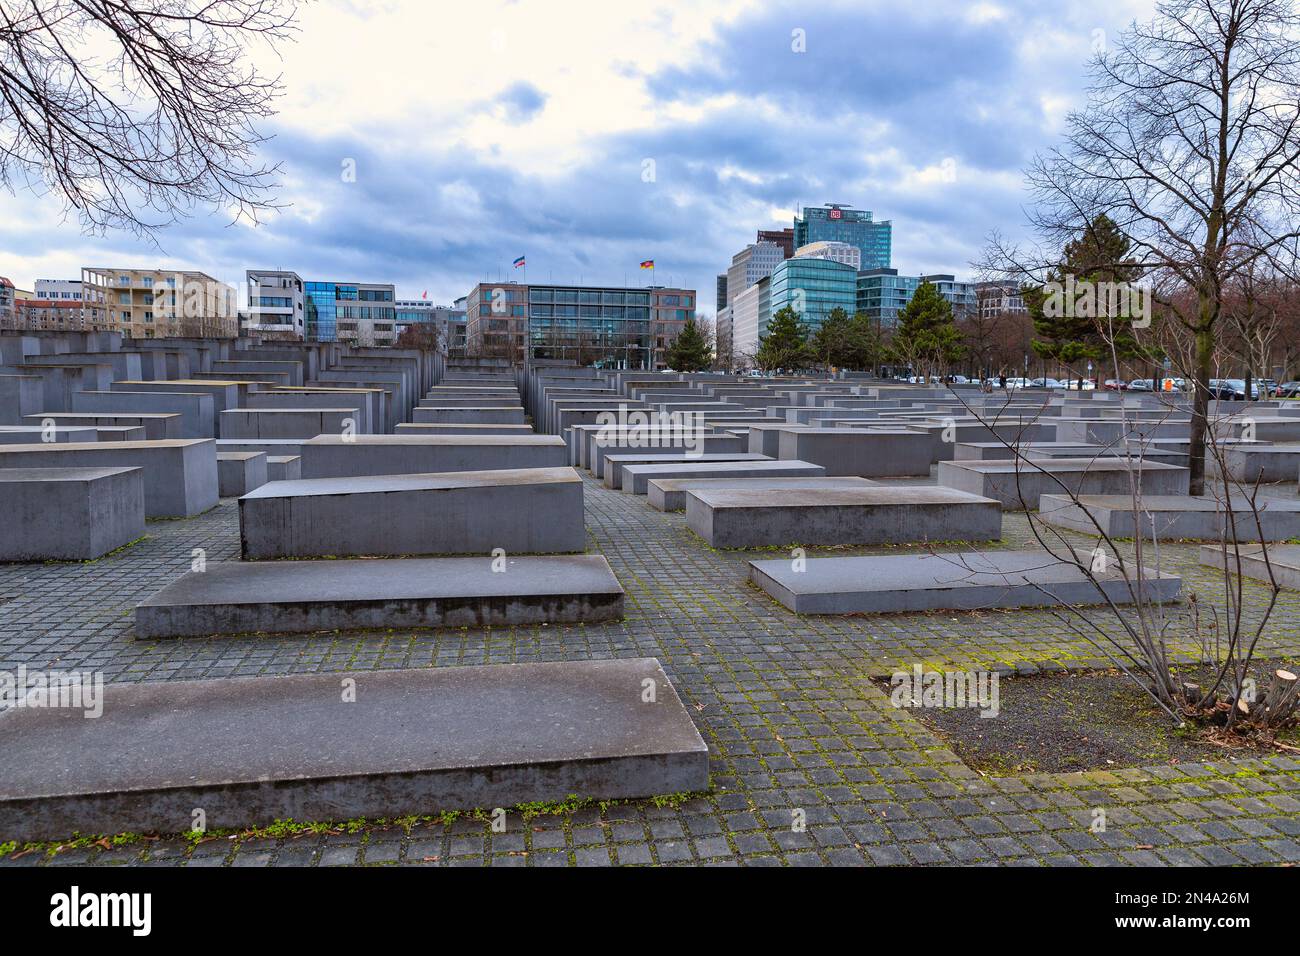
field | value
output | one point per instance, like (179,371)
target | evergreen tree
(690,351)
(832,342)
(785,345)
(926,337)
(1075,316)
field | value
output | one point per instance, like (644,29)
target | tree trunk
(1201,396)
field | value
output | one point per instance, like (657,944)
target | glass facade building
(883,294)
(604,326)
(812,287)
(838,223)
(338,310)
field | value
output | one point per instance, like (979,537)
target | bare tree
(1190,143)
(135,112)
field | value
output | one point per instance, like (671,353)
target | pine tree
(832,342)
(690,351)
(1071,320)
(785,345)
(926,337)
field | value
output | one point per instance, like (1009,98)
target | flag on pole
(519,262)
(647,263)
(424,294)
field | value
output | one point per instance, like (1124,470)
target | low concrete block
(1266,463)
(291,423)
(243,597)
(736,518)
(959,582)
(239,472)
(330,456)
(636,478)
(417,741)
(1174,517)
(283,467)
(1019,485)
(864,453)
(180,476)
(469,416)
(536,510)
(615,464)
(669,494)
(69,514)
(156,426)
(426,428)
(1280,563)
(33,434)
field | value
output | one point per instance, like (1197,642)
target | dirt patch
(1095,720)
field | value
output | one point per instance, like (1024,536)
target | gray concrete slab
(1019,484)
(1174,517)
(524,511)
(196,410)
(469,415)
(427,428)
(636,478)
(1274,562)
(283,467)
(333,457)
(1249,463)
(864,453)
(288,422)
(251,751)
(239,472)
(242,597)
(69,514)
(157,427)
(737,518)
(614,464)
(669,494)
(180,476)
(36,434)
(928,582)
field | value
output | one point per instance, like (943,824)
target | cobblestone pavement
(794,725)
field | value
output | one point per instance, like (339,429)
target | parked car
(1045,383)
(1140,385)
(1076,385)
(1288,390)
(1230,389)
(1115,385)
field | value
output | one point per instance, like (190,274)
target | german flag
(647,263)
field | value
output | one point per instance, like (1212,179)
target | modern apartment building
(1000,298)
(843,252)
(750,311)
(59,290)
(159,303)
(606,326)
(883,294)
(360,313)
(835,222)
(277,305)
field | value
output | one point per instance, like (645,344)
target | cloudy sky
(591,135)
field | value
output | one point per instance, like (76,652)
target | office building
(605,326)
(883,294)
(360,313)
(843,252)
(277,306)
(8,314)
(754,262)
(782,237)
(448,321)
(722,293)
(813,287)
(159,303)
(835,222)
(750,311)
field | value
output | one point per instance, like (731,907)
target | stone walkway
(797,731)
